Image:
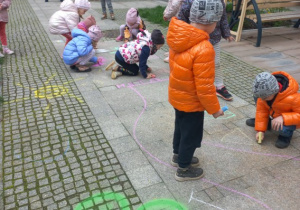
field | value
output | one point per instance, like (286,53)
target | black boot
(251,122)
(189,173)
(283,142)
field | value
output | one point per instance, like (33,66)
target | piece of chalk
(259,137)
(225,108)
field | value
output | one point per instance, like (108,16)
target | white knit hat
(206,11)
(83,4)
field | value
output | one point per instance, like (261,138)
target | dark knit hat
(157,37)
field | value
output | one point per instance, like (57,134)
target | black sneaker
(174,162)
(223,93)
(283,142)
(189,173)
(251,122)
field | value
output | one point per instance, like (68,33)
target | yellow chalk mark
(50,92)
(46,110)
(78,99)
(20,85)
(50,79)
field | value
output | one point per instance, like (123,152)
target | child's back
(191,85)
(79,46)
(64,20)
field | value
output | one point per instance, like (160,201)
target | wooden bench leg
(297,24)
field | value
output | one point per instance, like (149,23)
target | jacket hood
(78,32)
(68,5)
(182,36)
(290,83)
(144,36)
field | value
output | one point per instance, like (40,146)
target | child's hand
(262,135)
(230,38)
(218,113)
(94,44)
(277,123)
(149,76)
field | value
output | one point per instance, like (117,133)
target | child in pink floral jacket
(137,51)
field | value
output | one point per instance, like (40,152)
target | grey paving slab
(143,177)
(158,191)
(123,144)
(132,159)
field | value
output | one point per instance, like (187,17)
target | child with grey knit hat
(191,83)
(277,99)
(222,30)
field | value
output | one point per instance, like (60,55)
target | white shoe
(8,51)
(1,55)
(166,60)
(115,74)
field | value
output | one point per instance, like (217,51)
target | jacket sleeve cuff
(94,59)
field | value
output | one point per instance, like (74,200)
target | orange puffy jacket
(192,69)
(286,104)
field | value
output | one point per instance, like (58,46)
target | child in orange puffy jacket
(278,100)
(191,85)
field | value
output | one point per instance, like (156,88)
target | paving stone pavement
(68,136)
(54,152)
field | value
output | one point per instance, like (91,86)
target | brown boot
(104,16)
(112,16)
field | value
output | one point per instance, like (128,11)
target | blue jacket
(79,46)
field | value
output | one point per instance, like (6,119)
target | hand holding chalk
(225,108)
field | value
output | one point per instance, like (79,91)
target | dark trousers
(126,68)
(187,135)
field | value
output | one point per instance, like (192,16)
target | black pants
(126,69)
(187,135)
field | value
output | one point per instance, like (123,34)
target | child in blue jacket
(79,51)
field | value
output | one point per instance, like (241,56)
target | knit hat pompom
(265,85)
(157,37)
(89,21)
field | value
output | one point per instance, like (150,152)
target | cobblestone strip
(54,152)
